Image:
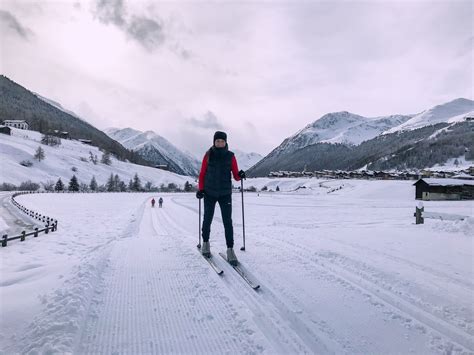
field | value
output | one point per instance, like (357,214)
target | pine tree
(130,185)
(93,184)
(117,182)
(188,187)
(110,183)
(106,158)
(277,188)
(73,184)
(137,185)
(59,185)
(39,154)
(122,186)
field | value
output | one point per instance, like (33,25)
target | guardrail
(51,225)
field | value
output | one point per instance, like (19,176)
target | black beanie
(220,135)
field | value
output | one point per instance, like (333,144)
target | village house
(21,124)
(444,189)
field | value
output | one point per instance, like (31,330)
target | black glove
(242,174)
(200,194)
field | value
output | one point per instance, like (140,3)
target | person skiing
(160,202)
(152,202)
(215,186)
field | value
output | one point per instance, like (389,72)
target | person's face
(219,143)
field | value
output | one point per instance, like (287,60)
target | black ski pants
(225,204)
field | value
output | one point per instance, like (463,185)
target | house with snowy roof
(444,189)
(21,124)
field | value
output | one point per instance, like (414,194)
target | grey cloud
(110,11)
(146,31)
(149,32)
(9,22)
(209,121)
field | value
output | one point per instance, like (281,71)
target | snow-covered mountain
(453,111)
(246,160)
(341,127)
(71,157)
(355,131)
(155,148)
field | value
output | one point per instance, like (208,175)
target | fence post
(47,229)
(419,214)
(22,239)
(4,240)
(36,232)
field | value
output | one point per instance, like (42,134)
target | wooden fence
(51,225)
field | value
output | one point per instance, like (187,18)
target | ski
(214,266)
(241,273)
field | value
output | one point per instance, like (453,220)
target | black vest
(217,181)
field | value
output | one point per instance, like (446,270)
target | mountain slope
(437,114)
(16,102)
(246,160)
(156,149)
(69,158)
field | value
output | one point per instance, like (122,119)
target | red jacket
(202,174)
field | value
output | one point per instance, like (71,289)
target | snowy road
(340,273)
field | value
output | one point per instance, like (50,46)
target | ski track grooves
(362,281)
(388,297)
(128,315)
(266,306)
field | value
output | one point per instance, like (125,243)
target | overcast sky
(258,70)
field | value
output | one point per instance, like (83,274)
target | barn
(444,189)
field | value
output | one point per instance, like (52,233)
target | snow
(246,160)
(451,165)
(3,226)
(59,161)
(448,182)
(453,111)
(340,272)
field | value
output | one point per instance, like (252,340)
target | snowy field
(344,272)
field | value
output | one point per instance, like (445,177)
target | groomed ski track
(157,295)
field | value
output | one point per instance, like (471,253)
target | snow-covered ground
(60,160)
(341,272)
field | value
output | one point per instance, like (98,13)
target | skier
(160,202)
(215,185)
(152,202)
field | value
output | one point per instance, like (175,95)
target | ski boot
(206,249)
(231,258)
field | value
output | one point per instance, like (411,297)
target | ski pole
(243,218)
(199,231)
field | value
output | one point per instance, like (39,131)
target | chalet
(21,124)
(162,166)
(444,189)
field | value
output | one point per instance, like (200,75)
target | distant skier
(215,185)
(160,202)
(152,202)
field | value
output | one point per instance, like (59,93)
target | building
(162,166)
(444,189)
(16,124)
(85,141)
(6,130)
